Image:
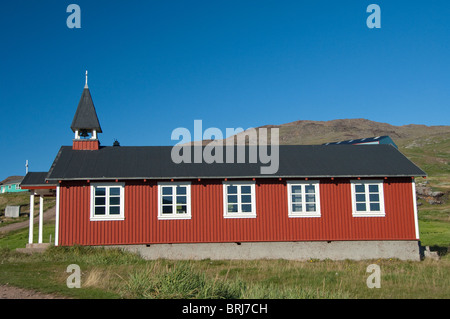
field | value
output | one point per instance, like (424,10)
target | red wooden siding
(92,145)
(141,224)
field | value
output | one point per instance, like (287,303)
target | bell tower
(85,123)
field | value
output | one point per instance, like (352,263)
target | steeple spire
(85,123)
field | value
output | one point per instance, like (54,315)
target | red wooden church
(325,201)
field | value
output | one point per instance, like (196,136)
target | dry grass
(257,279)
(98,277)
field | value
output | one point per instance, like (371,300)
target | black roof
(86,116)
(154,162)
(36,179)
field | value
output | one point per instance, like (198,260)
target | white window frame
(239,214)
(107,216)
(368,212)
(304,213)
(174,216)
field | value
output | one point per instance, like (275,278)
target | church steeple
(85,123)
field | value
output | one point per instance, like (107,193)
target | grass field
(116,274)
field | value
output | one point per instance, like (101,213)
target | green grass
(180,280)
(19,238)
(434,233)
(434,224)
(47,272)
(111,273)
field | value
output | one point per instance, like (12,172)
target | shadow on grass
(440,250)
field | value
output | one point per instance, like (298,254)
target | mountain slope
(318,132)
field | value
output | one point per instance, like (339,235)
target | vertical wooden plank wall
(141,224)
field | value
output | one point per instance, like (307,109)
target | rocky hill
(318,132)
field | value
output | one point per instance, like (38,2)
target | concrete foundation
(334,250)
(34,248)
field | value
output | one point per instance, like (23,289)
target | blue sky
(158,65)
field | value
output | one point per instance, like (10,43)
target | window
(303,199)
(174,200)
(367,198)
(239,199)
(107,201)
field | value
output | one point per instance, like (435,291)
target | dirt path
(48,215)
(9,292)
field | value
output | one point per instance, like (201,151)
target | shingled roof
(86,116)
(11,180)
(36,179)
(154,162)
